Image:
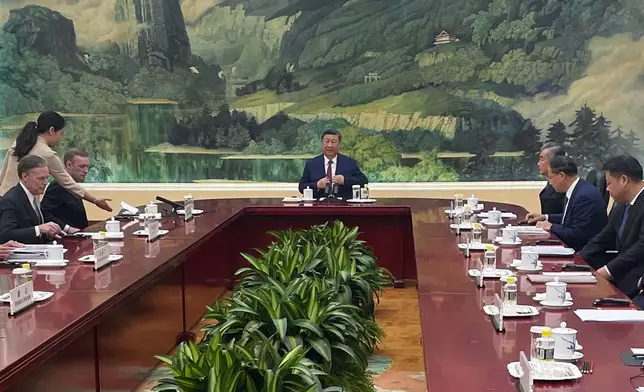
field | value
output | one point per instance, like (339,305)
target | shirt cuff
(608,272)
(546,215)
(66,229)
(37,231)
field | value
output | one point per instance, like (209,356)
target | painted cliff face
(241,90)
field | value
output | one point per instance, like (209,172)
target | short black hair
(332,132)
(563,164)
(73,153)
(624,165)
(553,149)
(29,162)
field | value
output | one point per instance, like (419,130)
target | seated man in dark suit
(62,206)
(330,168)
(625,229)
(20,216)
(584,214)
(552,202)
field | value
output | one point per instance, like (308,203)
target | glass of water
(477,233)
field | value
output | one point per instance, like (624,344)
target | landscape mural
(241,90)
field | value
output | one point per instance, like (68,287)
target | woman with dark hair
(39,138)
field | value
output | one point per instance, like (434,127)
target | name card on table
(497,319)
(525,382)
(187,210)
(479,278)
(21,297)
(153,230)
(101,256)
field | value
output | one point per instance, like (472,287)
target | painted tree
(583,136)
(557,134)
(623,142)
(528,140)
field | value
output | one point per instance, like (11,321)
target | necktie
(38,212)
(563,218)
(622,226)
(329,171)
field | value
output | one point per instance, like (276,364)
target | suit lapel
(635,209)
(568,208)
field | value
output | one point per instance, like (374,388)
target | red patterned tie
(329,172)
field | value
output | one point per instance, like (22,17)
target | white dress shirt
(34,204)
(334,165)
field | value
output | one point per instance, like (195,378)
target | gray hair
(553,150)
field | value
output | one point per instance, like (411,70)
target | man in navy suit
(331,168)
(625,230)
(584,214)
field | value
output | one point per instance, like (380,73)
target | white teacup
(308,194)
(510,235)
(54,252)
(113,226)
(152,208)
(495,216)
(556,292)
(565,341)
(529,260)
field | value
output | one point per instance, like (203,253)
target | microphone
(175,206)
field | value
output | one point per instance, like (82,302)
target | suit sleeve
(555,218)
(594,253)
(50,203)
(630,259)
(356,177)
(9,230)
(306,180)
(57,170)
(579,228)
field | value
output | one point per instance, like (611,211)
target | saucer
(496,274)
(91,258)
(542,297)
(565,304)
(517,265)
(492,224)
(292,200)
(361,201)
(51,263)
(501,241)
(575,357)
(144,233)
(194,211)
(156,216)
(38,296)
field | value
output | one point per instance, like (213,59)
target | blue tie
(622,226)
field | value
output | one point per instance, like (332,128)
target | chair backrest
(598,179)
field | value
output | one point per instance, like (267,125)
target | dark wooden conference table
(101,329)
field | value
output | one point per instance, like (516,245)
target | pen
(592,366)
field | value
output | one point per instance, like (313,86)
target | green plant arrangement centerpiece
(300,318)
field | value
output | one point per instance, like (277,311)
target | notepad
(610,315)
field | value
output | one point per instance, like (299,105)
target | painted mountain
(240,90)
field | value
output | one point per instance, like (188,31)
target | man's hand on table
(534,218)
(603,272)
(544,225)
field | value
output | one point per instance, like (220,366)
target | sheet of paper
(129,208)
(608,315)
(562,278)
(637,351)
(568,273)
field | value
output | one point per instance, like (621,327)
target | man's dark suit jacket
(18,218)
(628,265)
(585,217)
(348,167)
(552,202)
(63,207)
